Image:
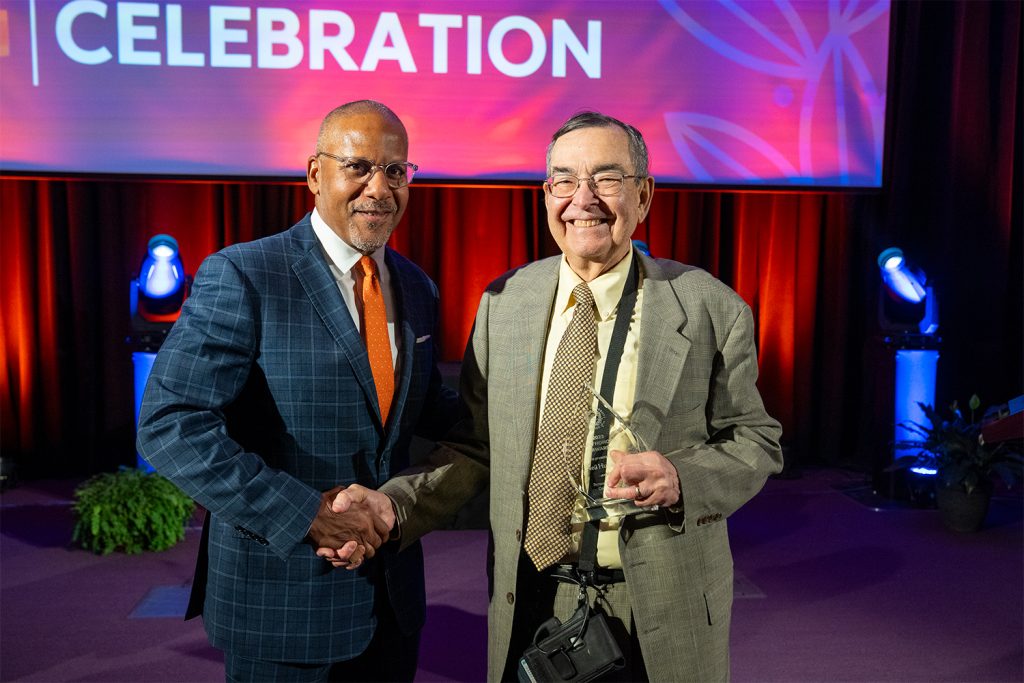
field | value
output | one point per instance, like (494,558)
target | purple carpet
(827,589)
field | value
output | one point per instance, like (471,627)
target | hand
(379,503)
(646,478)
(356,531)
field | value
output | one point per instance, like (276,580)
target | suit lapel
(410,307)
(315,276)
(663,347)
(530,320)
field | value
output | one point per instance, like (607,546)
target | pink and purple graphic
(726,92)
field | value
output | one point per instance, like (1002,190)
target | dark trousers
(535,601)
(390,656)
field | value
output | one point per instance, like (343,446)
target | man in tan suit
(684,385)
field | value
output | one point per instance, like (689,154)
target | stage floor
(827,588)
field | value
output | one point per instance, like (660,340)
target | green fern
(131,511)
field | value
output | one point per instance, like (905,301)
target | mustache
(383,206)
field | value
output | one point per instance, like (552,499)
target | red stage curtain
(803,261)
(75,245)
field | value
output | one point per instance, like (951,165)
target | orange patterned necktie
(375,334)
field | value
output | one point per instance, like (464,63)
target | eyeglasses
(604,184)
(397,173)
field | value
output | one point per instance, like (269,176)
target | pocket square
(420,340)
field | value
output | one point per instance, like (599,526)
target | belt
(601,576)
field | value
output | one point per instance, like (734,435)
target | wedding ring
(638,494)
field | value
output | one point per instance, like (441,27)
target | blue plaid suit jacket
(262,397)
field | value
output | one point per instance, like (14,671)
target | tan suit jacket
(696,402)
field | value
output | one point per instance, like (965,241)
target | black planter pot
(961,511)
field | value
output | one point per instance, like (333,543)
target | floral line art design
(839,102)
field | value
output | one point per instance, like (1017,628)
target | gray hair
(593,119)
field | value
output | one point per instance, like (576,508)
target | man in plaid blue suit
(262,405)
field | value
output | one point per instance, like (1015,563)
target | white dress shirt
(342,259)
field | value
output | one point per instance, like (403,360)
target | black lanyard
(599,450)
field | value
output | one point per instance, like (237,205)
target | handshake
(352,522)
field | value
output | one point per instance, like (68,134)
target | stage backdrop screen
(726,92)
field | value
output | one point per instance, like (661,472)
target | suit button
(511,598)
(519,535)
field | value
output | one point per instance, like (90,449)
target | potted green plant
(965,464)
(131,511)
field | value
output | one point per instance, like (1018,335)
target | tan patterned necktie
(375,334)
(562,436)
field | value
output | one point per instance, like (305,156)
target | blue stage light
(155,300)
(162,274)
(909,308)
(908,304)
(160,290)
(905,283)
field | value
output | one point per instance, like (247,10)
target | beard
(370,240)
(367,234)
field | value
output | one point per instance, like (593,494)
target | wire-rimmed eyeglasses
(358,170)
(606,184)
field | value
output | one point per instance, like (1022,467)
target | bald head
(335,118)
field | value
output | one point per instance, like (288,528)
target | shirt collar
(339,252)
(606,287)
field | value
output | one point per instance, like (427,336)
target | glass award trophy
(588,507)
